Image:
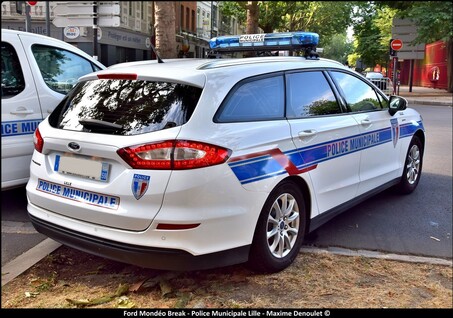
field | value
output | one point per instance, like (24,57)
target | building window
(130,8)
(181,17)
(193,21)
(214,16)
(199,22)
(187,19)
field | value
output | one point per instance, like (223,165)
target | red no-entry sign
(32,3)
(396,44)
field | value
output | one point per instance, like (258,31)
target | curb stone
(428,102)
(26,260)
(379,255)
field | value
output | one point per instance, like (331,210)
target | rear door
(253,125)
(21,111)
(321,132)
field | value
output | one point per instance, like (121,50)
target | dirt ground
(69,279)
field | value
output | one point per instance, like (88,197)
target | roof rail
(266,42)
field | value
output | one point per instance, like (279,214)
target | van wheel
(412,167)
(280,230)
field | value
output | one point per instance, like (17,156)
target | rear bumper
(149,257)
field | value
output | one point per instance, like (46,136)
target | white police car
(199,163)
(37,71)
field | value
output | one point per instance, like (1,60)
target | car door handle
(365,122)
(307,133)
(22,112)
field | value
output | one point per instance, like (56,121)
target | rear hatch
(93,142)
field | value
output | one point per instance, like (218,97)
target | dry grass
(68,278)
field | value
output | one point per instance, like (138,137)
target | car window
(359,96)
(13,81)
(257,99)
(384,102)
(60,68)
(309,94)
(125,107)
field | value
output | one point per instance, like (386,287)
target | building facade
(129,42)
(431,71)
(196,23)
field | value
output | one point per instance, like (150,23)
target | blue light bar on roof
(265,42)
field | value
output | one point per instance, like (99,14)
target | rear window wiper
(99,124)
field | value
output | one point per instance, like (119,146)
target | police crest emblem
(140,184)
(395,131)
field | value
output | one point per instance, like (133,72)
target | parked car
(378,79)
(200,163)
(37,72)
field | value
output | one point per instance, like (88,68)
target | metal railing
(384,84)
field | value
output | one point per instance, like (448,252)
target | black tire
(412,167)
(273,254)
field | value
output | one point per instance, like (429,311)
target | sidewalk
(426,96)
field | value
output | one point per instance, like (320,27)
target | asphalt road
(416,224)
(18,235)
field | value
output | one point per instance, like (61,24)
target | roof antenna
(159,60)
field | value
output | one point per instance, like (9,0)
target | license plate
(89,169)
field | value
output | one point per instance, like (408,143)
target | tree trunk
(252,17)
(165,27)
(449,65)
(252,22)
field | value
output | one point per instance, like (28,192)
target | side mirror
(396,104)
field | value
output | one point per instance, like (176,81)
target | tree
(338,48)
(165,26)
(323,17)
(373,31)
(253,14)
(271,16)
(326,18)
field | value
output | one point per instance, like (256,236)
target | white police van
(37,72)
(199,163)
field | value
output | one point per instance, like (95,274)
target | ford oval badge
(74,146)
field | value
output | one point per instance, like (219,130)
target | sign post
(406,31)
(395,46)
(395,78)
(95,30)
(78,13)
(28,4)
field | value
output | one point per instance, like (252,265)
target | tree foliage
(326,18)
(373,32)
(338,48)
(434,19)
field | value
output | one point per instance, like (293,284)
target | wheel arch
(303,186)
(421,136)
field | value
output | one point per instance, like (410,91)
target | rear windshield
(125,107)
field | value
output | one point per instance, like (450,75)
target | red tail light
(38,141)
(174,154)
